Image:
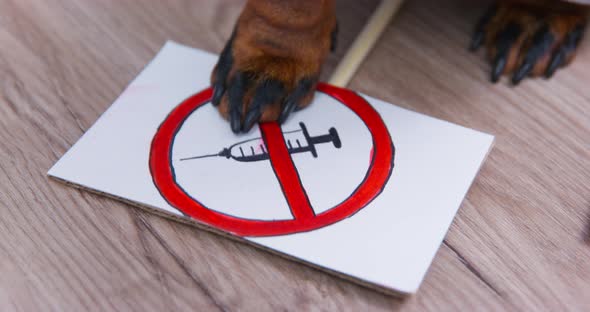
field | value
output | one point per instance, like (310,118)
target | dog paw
(268,70)
(526,40)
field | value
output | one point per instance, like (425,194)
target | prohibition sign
(304,217)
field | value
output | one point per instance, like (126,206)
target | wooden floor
(520,241)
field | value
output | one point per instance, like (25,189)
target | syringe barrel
(298,141)
(248,151)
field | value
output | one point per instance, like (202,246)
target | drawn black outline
(206,102)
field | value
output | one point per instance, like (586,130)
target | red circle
(377,175)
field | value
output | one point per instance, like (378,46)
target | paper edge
(389,291)
(485,157)
(166,44)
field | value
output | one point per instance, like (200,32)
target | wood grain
(520,241)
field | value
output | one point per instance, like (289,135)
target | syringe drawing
(298,141)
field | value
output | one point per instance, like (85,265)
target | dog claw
(526,40)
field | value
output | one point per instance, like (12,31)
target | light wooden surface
(364,42)
(521,240)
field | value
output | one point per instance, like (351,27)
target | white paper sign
(364,190)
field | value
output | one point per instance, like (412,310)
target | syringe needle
(224,153)
(199,157)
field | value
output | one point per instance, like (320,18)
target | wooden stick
(364,42)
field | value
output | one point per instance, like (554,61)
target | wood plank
(524,224)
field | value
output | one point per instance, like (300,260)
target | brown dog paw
(271,64)
(529,40)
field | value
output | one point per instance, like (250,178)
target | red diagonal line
(286,172)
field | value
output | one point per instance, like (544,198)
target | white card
(327,187)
